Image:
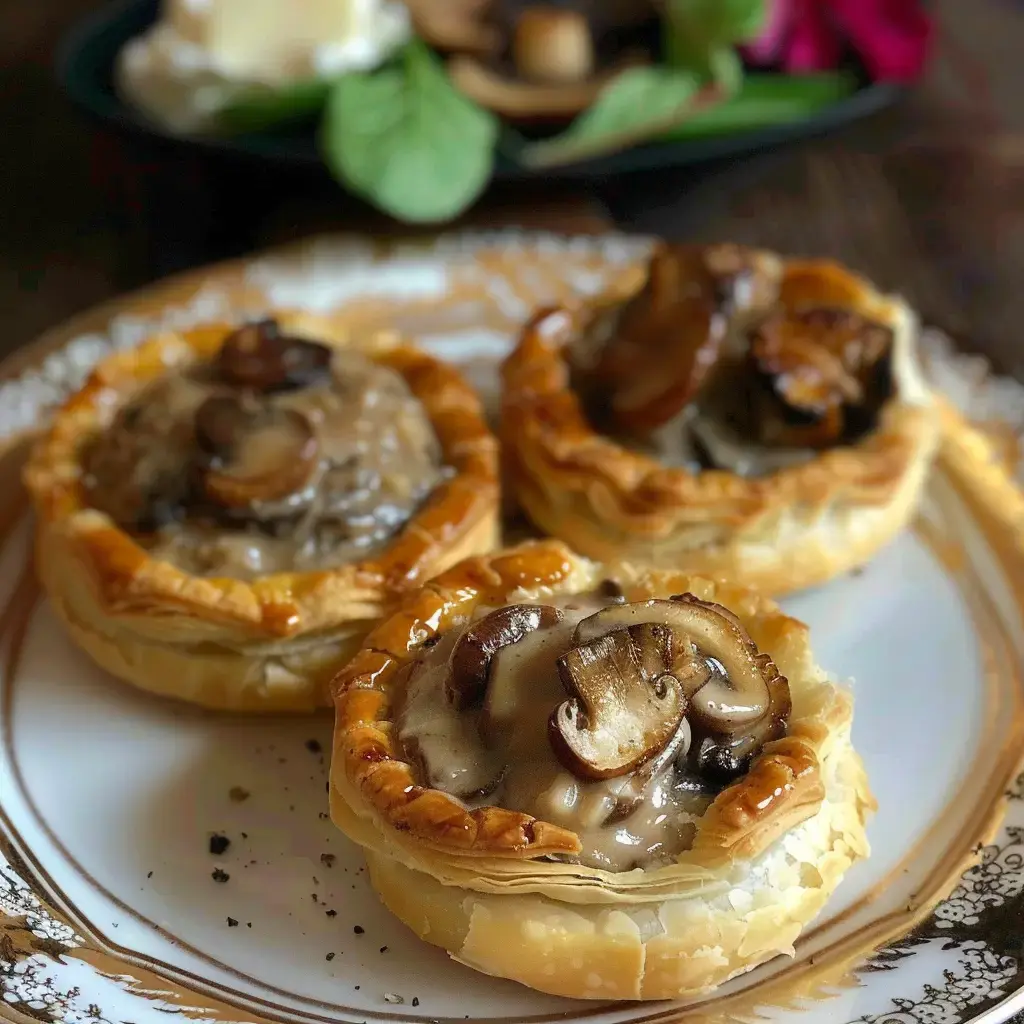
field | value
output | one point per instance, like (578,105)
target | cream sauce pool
(515,767)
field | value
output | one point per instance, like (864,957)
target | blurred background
(926,195)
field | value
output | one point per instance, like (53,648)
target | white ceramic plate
(113,907)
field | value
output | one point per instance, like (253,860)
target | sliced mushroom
(737,698)
(729,681)
(668,339)
(520,100)
(818,364)
(259,357)
(470,662)
(624,705)
(254,454)
(683,660)
(745,686)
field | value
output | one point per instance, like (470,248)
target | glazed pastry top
(279,454)
(618,721)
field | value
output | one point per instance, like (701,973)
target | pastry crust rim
(706,940)
(157,599)
(568,475)
(743,820)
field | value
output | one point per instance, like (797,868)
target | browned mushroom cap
(253,455)
(470,662)
(819,362)
(668,339)
(259,357)
(624,705)
(728,680)
(552,44)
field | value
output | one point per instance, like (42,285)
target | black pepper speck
(313,746)
(359,929)
(232,923)
(218,844)
(149,874)
(327,859)
(332,913)
(415,1000)
(238,794)
(330,956)
(383,949)
(219,876)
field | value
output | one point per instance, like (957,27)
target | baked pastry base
(271,644)
(765,857)
(667,950)
(785,531)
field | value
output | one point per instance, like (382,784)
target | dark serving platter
(86,62)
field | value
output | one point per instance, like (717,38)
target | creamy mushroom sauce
(377,459)
(448,747)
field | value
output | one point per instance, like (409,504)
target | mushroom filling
(280,454)
(538,63)
(705,368)
(619,721)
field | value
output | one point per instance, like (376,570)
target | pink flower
(891,37)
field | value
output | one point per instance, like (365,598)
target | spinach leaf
(765,100)
(638,104)
(257,109)
(404,138)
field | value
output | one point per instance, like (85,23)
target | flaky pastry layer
(793,528)
(463,877)
(270,644)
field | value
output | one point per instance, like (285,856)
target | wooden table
(927,198)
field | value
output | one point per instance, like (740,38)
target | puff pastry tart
(601,782)
(747,417)
(223,513)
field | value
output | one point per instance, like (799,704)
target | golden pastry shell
(789,529)
(271,643)
(782,786)
(471,882)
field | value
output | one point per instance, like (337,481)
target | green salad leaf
(257,109)
(765,100)
(700,35)
(639,104)
(404,138)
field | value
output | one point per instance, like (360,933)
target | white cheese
(203,53)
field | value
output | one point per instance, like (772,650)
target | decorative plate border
(978,929)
